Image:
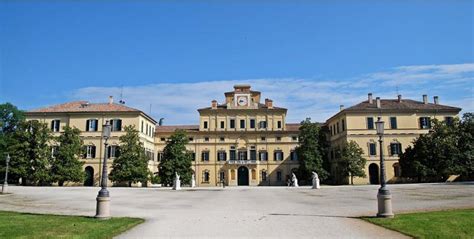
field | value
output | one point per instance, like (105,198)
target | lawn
(25,225)
(439,224)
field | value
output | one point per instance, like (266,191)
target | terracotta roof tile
(172,128)
(394,104)
(84,106)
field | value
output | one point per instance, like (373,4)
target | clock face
(242,100)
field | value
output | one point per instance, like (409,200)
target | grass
(25,225)
(457,223)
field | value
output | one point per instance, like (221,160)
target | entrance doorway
(89,180)
(243,176)
(374,173)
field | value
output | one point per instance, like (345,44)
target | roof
(394,104)
(390,105)
(172,128)
(195,128)
(260,106)
(85,106)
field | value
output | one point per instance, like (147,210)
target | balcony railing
(240,162)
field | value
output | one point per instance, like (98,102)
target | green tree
(132,164)
(65,163)
(176,159)
(352,161)
(311,150)
(466,145)
(10,119)
(31,153)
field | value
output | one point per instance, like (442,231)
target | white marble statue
(316,181)
(177,182)
(294,180)
(193,181)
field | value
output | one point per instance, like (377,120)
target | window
(242,155)
(279,124)
(395,148)
(91,125)
(116,124)
(252,123)
(278,155)
(278,138)
(294,138)
(232,155)
(205,156)
(222,176)
(397,170)
(425,123)
(343,124)
(263,138)
(337,127)
(160,156)
(146,131)
(190,138)
(372,149)
(222,124)
(206,139)
(55,125)
(262,124)
(142,127)
(113,151)
(263,156)
(293,155)
(242,124)
(90,152)
(253,154)
(193,156)
(205,124)
(221,156)
(54,151)
(232,123)
(448,120)
(163,139)
(370,123)
(393,122)
(205,176)
(264,175)
(279,178)
(222,139)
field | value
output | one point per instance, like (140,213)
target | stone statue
(177,182)
(315,181)
(294,180)
(193,181)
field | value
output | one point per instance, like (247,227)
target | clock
(242,100)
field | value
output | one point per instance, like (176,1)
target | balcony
(242,162)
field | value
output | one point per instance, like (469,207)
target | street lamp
(103,198)
(384,198)
(5,183)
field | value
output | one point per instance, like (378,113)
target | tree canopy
(312,150)
(132,164)
(65,164)
(352,161)
(176,159)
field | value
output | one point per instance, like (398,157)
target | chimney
(214,104)
(341,107)
(378,102)
(399,98)
(111,100)
(436,100)
(371,101)
(425,99)
(269,103)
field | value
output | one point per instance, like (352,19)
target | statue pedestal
(316,184)
(177,185)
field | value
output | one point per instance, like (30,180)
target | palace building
(89,118)
(246,140)
(239,142)
(404,119)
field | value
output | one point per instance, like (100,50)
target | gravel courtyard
(245,211)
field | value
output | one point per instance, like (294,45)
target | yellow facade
(239,142)
(402,126)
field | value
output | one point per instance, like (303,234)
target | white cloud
(318,99)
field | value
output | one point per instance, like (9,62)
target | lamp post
(103,198)
(5,183)
(384,198)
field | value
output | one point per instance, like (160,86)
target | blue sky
(309,56)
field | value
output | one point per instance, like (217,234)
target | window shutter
(202,156)
(421,123)
(84,151)
(225,156)
(119,125)
(275,156)
(109,150)
(87,125)
(93,151)
(117,151)
(52,125)
(96,123)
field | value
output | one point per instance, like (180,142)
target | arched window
(205,176)
(397,170)
(263,175)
